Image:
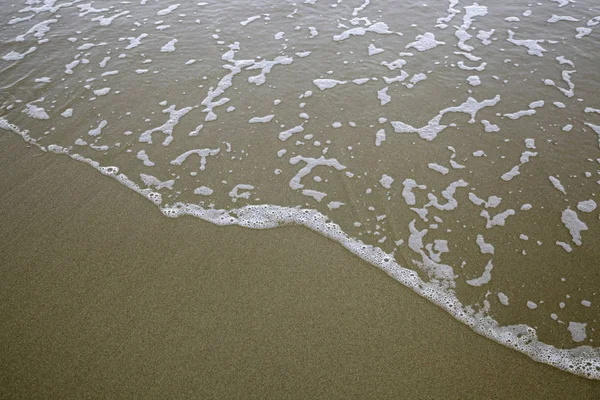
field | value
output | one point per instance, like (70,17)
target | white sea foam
(169,47)
(327,83)
(484,278)
(378,27)
(386,181)
(574,225)
(262,120)
(203,191)
(425,42)
(485,248)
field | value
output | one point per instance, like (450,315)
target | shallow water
(455,145)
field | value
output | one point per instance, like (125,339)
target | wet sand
(103,297)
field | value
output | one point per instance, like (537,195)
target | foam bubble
(378,27)
(578,331)
(383,96)
(374,50)
(141,155)
(327,83)
(557,184)
(587,206)
(203,191)
(380,137)
(98,130)
(484,278)
(168,10)
(425,42)
(574,225)
(438,168)
(262,120)
(485,248)
(386,181)
(35,112)
(169,47)
(503,298)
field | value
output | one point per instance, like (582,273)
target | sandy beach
(103,297)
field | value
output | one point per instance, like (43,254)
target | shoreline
(105,297)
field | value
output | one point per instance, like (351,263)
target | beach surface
(104,297)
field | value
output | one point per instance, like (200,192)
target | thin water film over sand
(454,144)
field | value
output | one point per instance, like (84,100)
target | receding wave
(455,145)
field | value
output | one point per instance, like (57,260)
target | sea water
(453,144)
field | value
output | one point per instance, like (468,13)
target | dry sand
(103,297)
